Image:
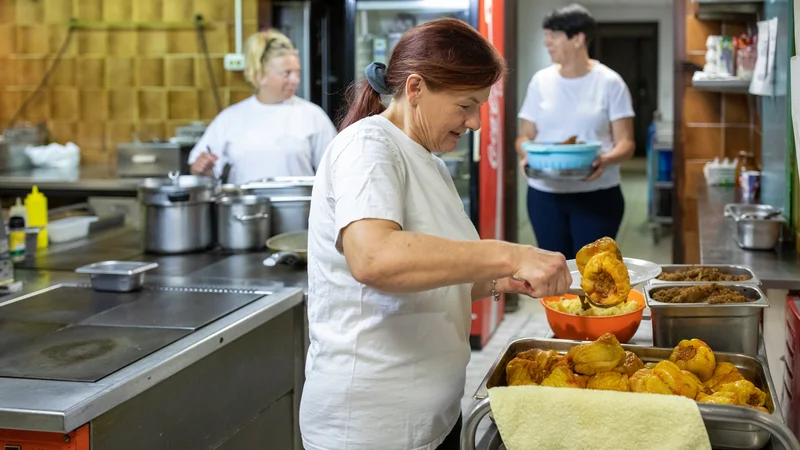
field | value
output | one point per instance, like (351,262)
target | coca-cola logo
(495,135)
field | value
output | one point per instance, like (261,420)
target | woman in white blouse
(576,96)
(393,260)
(273,133)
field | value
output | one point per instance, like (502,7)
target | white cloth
(584,107)
(384,371)
(284,139)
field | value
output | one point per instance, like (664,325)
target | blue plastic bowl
(553,156)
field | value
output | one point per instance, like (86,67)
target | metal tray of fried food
(722,434)
(726,269)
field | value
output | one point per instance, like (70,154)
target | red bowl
(581,328)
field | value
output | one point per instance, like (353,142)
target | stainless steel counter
(64,406)
(777,269)
(96,179)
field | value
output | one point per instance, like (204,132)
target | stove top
(84,353)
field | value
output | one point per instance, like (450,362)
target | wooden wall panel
(116,82)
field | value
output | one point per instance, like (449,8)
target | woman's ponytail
(362,101)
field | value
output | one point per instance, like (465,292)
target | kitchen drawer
(152,159)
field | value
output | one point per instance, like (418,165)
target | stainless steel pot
(177,213)
(243,222)
(300,187)
(290,214)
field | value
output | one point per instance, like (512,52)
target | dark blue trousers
(566,222)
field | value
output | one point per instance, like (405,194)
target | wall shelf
(732,86)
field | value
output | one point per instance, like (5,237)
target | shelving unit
(731,86)
(660,191)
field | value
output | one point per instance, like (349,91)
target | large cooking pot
(242,222)
(286,187)
(290,214)
(177,213)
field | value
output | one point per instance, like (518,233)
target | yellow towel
(545,418)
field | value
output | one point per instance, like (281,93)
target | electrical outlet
(234,62)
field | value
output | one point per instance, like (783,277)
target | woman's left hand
(599,165)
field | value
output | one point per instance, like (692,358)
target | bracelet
(493,291)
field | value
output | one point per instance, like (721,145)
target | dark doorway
(631,50)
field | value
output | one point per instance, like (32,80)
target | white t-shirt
(384,371)
(584,107)
(284,139)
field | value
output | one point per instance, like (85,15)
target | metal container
(728,327)
(290,214)
(117,276)
(15,140)
(243,222)
(272,189)
(150,159)
(177,213)
(723,433)
(756,227)
(726,269)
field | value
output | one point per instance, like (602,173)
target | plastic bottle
(745,162)
(36,206)
(16,226)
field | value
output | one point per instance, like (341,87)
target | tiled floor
(635,239)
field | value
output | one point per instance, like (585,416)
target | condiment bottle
(36,206)
(16,228)
(745,162)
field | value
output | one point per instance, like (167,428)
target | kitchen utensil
(289,248)
(213,166)
(243,222)
(569,326)
(552,156)
(735,429)
(117,276)
(729,327)
(756,227)
(586,300)
(177,213)
(69,228)
(640,271)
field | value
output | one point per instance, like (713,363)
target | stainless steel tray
(729,327)
(728,269)
(117,276)
(729,427)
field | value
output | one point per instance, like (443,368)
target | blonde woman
(273,133)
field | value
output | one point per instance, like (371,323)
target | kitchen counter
(777,269)
(92,179)
(59,406)
(237,377)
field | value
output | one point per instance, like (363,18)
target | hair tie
(376,76)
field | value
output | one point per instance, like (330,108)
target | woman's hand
(204,164)
(599,166)
(540,273)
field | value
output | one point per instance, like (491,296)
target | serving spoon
(586,301)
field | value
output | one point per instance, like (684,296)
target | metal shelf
(732,86)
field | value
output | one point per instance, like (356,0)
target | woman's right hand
(204,164)
(542,273)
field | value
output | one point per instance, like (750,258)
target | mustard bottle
(36,206)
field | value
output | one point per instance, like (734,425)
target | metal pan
(288,248)
(729,427)
(727,269)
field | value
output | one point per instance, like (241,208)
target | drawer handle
(143,159)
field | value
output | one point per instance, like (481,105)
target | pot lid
(183,182)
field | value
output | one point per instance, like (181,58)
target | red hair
(448,54)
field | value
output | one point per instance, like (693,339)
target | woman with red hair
(393,260)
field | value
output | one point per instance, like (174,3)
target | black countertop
(777,269)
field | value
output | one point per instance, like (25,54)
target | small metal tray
(727,269)
(723,435)
(755,297)
(117,276)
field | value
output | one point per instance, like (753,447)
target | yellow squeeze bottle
(36,205)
